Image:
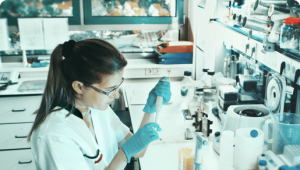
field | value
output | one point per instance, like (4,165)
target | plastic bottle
(210,86)
(204,76)
(187,86)
(226,149)
(194,105)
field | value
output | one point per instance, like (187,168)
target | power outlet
(156,71)
(148,71)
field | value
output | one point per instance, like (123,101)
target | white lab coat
(61,142)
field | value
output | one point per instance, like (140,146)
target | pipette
(158,105)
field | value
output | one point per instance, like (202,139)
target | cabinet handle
(13,110)
(21,136)
(25,162)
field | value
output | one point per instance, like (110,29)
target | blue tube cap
(298,167)
(262,163)
(254,133)
(284,167)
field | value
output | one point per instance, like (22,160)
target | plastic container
(226,149)
(249,144)
(194,105)
(187,86)
(292,153)
(225,67)
(286,131)
(204,76)
(289,36)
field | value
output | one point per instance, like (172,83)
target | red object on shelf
(165,48)
(292,21)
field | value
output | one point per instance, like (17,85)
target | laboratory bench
(163,153)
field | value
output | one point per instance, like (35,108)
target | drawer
(18,109)
(14,136)
(16,160)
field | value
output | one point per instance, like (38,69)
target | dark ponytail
(86,61)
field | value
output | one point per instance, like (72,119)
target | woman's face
(94,99)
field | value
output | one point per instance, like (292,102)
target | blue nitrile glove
(140,140)
(162,88)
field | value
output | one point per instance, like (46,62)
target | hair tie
(67,48)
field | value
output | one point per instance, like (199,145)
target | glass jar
(289,36)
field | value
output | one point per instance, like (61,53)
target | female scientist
(74,127)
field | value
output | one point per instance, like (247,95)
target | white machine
(276,91)
(242,116)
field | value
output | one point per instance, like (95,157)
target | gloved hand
(140,140)
(162,88)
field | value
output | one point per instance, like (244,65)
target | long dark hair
(86,61)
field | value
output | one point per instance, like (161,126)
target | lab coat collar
(69,107)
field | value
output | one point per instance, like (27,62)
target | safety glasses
(105,92)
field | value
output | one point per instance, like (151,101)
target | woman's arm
(148,117)
(119,161)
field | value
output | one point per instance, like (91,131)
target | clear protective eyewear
(105,92)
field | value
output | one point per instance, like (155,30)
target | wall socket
(152,71)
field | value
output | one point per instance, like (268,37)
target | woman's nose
(116,94)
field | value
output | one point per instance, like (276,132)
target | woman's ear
(78,87)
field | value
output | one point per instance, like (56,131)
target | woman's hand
(162,88)
(140,140)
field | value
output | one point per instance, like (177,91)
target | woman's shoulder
(57,122)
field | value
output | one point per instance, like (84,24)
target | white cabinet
(14,136)
(16,120)
(17,160)
(18,109)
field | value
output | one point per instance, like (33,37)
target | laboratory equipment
(158,104)
(291,153)
(187,86)
(257,24)
(286,131)
(201,144)
(32,85)
(194,105)
(9,77)
(226,81)
(185,159)
(275,93)
(247,97)
(277,20)
(226,62)
(226,149)
(204,75)
(231,67)
(249,143)
(248,82)
(242,116)
(289,36)
(273,161)
(228,93)
(204,126)
(225,104)
(187,117)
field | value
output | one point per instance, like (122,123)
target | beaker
(286,131)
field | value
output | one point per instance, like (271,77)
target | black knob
(217,134)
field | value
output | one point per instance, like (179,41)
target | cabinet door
(14,136)
(18,109)
(17,160)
